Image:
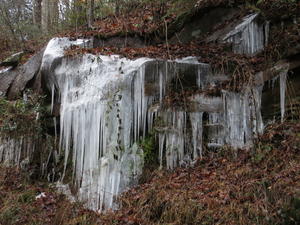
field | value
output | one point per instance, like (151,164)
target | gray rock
(200,25)
(6,78)
(24,74)
(119,42)
(13,60)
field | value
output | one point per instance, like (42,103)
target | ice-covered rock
(250,36)
(105,110)
(109,103)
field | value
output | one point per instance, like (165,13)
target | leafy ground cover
(22,202)
(261,186)
(228,187)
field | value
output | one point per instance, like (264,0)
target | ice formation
(250,36)
(242,117)
(16,151)
(109,103)
(282,77)
(235,123)
(106,104)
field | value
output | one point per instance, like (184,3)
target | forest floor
(259,186)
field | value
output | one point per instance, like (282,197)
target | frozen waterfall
(109,103)
(105,103)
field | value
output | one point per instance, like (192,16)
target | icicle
(216,129)
(161,144)
(55,129)
(267,32)
(52,97)
(172,139)
(197,129)
(242,117)
(283,77)
(258,125)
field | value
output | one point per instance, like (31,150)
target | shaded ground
(20,204)
(226,187)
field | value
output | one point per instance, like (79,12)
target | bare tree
(50,15)
(90,12)
(37,12)
(45,15)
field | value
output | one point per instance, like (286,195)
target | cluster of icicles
(107,106)
(15,151)
(250,36)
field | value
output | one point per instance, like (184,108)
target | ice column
(242,117)
(197,130)
(283,78)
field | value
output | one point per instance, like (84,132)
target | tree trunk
(5,15)
(37,12)
(54,15)
(90,13)
(45,15)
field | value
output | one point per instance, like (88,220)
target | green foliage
(10,214)
(149,147)
(260,152)
(19,117)
(291,213)
(27,197)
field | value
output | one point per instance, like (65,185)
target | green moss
(149,148)
(18,118)
(291,213)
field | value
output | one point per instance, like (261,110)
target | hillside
(152,112)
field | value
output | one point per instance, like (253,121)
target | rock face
(25,74)
(6,78)
(109,104)
(14,81)
(119,42)
(202,24)
(12,60)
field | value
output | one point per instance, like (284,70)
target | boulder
(13,60)
(24,74)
